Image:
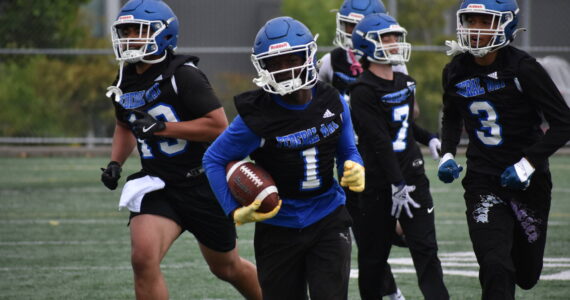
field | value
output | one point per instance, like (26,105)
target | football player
(340,68)
(295,128)
(165,106)
(500,93)
(382,102)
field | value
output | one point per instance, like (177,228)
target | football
(248,181)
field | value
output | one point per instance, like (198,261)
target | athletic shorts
(195,209)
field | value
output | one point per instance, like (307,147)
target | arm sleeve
(195,91)
(451,122)
(235,143)
(346,148)
(372,125)
(325,69)
(540,89)
(421,135)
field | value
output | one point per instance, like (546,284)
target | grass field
(62,237)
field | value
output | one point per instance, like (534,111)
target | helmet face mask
(275,52)
(155,29)
(343,38)
(485,26)
(381,40)
(133,49)
(393,53)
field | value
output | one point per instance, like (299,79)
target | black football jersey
(501,107)
(297,143)
(342,75)
(382,114)
(174,90)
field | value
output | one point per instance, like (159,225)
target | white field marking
(467,263)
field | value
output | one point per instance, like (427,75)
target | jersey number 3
(490,132)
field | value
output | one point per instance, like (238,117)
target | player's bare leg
(230,267)
(151,237)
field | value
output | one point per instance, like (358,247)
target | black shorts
(195,209)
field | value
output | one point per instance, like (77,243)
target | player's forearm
(123,143)
(204,129)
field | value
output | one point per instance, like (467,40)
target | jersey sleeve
(235,143)
(421,135)
(325,68)
(372,126)
(537,86)
(346,149)
(451,121)
(195,90)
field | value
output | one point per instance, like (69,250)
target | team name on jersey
(140,98)
(306,137)
(399,96)
(473,87)
(345,78)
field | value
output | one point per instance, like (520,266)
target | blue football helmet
(157,28)
(352,12)
(283,36)
(367,40)
(504,19)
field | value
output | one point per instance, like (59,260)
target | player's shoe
(397,296)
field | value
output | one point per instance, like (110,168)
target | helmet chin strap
(115,90)
(155,61)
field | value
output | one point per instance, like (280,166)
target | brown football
(248,181)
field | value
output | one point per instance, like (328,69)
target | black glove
(111,175)
(145,125)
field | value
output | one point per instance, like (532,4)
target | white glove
(401,198)
(434,148)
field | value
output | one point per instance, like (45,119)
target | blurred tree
(52,95)
(318,15)
(39,24)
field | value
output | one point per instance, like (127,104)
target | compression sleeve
(346,148)
(235,143)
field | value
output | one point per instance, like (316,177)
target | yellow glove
(353,176)
(247,214)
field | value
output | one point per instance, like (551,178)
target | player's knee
(226,272)
(142,260)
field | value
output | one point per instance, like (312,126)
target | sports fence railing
(90,141)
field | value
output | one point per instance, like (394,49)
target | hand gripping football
(248,182)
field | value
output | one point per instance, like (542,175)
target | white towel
(134,190)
